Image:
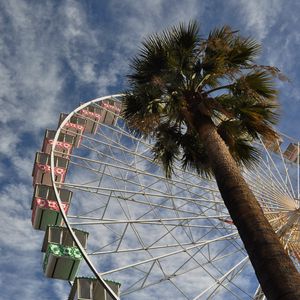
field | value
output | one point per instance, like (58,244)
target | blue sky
(56,54)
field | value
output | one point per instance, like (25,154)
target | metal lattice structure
(159,238)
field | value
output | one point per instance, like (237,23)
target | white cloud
(30,84)
(259,16)
(83,44)
(141,18)
(8,141)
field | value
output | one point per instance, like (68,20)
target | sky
(56,54)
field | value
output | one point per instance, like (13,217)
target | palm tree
(205,101)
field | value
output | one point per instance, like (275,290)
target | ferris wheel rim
(59,202)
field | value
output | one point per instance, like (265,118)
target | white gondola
(274,144)
(45,210)
(111,109)
(75,127)
(93,115)
(292,152)
(86,288)
(62,257)
(63,146)
(42,171)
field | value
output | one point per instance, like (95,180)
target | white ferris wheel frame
(64,215)
(258,293)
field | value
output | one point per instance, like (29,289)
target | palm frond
(140,113)
(166,148)
(257,84)
(243,52)
(227,54)
(177,77)
(245,154)
(182,38)
(151,61)
(194,155)
(238,142)
(173,51)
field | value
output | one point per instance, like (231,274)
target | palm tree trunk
(274,269)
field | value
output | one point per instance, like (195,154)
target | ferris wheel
(102,200)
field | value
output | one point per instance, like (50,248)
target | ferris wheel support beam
(149,221)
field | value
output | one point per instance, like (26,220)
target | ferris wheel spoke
(289,238)
(137,234)
(264,171)
(263,189)
(266,198)
(277,171)
(141,249)
(179,243)
(176,274)
(192,257)
(210,261)
(180,290)
(97,221)
(288,179)
(119,192)
(167,208)
(136,172)
(139,283)
(269,181)
(141,242)
(259,295)
(230,281)
(102,154)
(270,207)
(219,281)
(187,225)
(202,243)
(183,221)
(280,200)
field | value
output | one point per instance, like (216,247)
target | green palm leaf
(178,78)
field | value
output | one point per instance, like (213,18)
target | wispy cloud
(258,16)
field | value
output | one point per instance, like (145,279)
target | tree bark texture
(274,269)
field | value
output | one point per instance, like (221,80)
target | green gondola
(62,257)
